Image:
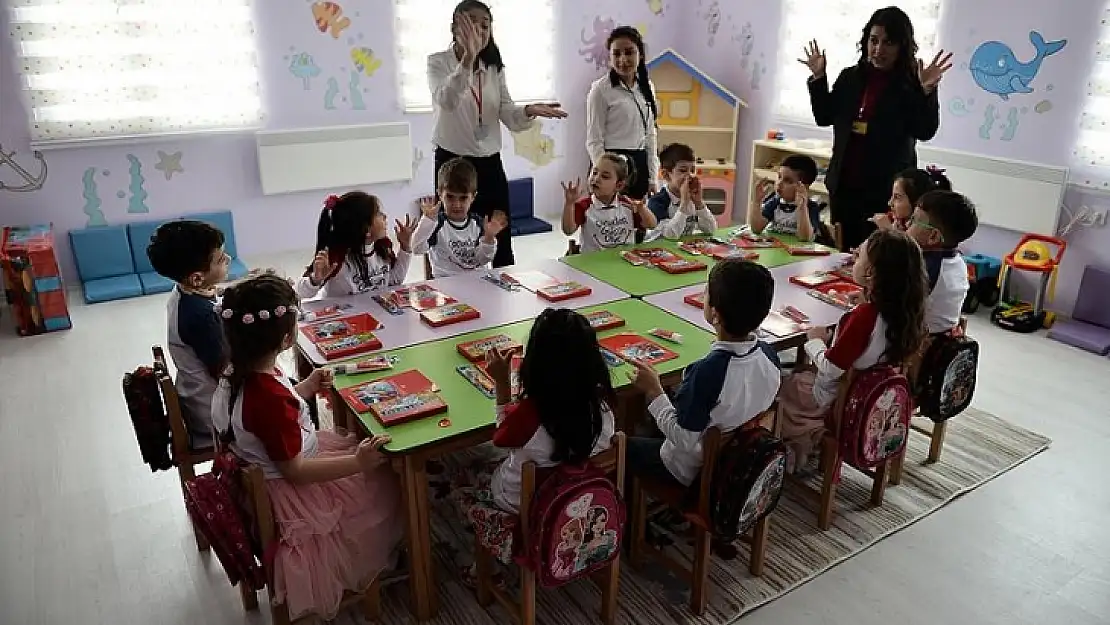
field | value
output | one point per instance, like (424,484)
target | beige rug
(979,447)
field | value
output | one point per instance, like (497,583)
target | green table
(470,410)
(609,267)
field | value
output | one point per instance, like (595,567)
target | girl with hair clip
(908,188)
(353,250)
(606,217)
(621,111)
(886,326)
(335,500)
(470,101)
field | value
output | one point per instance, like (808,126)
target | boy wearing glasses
(941,221)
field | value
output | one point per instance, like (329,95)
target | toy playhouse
(696,110)
(35,288)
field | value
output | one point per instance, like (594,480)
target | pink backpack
(576,523)
(875,420)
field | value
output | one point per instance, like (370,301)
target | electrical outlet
(1100,218)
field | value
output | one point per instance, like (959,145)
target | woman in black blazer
(879,109)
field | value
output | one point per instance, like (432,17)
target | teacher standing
(621,111)
(470,101)
(879,109)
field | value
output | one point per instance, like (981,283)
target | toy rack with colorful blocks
(35,288)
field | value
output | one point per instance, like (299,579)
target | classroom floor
(89,535)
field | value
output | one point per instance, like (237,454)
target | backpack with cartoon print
(747,482)
(946,377)
(576,523)
(875,421)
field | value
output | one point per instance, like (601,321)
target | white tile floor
(89,535)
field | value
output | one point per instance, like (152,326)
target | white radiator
(333,158)
(1014,195)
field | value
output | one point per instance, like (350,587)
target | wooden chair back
(179,434)
(573,248)
(427,268)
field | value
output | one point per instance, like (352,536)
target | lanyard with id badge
(481,131)
(643,115)
(859,126)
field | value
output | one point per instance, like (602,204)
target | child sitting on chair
(941,221)
(778,209)
(679,207)
(605,217)
(191,253)
(455,240)
(906,191)
(736,381)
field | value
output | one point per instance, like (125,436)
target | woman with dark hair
(879,109)
(621,111)
(470,101)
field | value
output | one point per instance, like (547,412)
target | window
(96,69)
(1091,165)
(523,30)
(837,26)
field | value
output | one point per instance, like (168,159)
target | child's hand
(493,226)
(695,190)
(646,380)
(498,366)
(403,231)
(765,188)
(818,332)
(322,267)
(429,207)
(367,453)
(572,190)
(320,379)
(801,197)
(882,221)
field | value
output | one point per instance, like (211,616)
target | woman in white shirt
(621,112)
(470,101)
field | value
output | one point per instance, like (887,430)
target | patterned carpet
(979,447)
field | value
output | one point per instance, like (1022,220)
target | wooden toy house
(696,110)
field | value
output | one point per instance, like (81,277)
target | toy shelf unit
(768,154)
(696,110)
(35,288)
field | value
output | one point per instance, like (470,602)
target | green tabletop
(609,267)
(470,410)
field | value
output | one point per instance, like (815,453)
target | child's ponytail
(939,180)
(325,230)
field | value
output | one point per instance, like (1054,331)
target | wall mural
(169,164)
(364,60)
(303,66)
(534,146)
(593,48)
(28,181)
(329,18)
(135,192)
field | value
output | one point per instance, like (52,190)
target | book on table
(781,326)
(655,255)
(681,265)
(420,297)
(815,279)
(561,291)
(475,351)
(751,241)
(633,347)
(724,251)
(840,294)
(349,345)
(697,300)
(808,249)
(395,399)
(696,247)
(451,313)
(343,327)
(601,320)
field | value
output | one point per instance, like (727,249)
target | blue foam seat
(139,233)
(236,269)
(529,225)
(108,289)
(154,283)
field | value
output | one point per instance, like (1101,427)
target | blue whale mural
(996,70)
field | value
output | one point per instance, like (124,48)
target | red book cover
(361,397)
(514,374)
(475,351)
(656,255)
(721,252)
(408,408)
(781,326)
(845,273)
(629,347)
(756,242)
(420,297)
(563,291)
(451,313)
(808,249)
(531,280)
(333,329)
(602,320)
(697,300)
(815,279)
(837,294)
(681,265)
(696,247)
(349,346)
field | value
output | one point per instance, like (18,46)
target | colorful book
(697,300)
(808,249)
(349,346)
(697,247)
(451,313)
(420,297)
(408,408)
(751,241)
(721,252)
(682,265)
(326,312)
(602,320)
(478,379)
(781,326)
(366,365)
(815,279)
(633,347)
(332,329)
(844,273)
(386,392)
(633,259)
(837,294)
(656,255)
(514,374)
(531,280)
(563,291)
(475,351)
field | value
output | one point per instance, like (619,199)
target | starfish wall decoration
(169,164)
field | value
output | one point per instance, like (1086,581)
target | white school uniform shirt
(619,118)
(458,246)
(347,280)
(455,109)
(677,224)
(859,343)
(602,225)
(948,288)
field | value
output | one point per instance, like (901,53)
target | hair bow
(331,201)
(933,169)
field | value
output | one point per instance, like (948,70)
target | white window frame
(1091,153)
(101,70)
(837,26)
(524,31)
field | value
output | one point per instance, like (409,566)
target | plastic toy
(982,274)
(1031,254)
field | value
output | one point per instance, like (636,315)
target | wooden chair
(675,496)
(184,455)
(608,578)
(573,248)
(427,268)
(253,486)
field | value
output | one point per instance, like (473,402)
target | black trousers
(493,194)
(853,206)
(638,190)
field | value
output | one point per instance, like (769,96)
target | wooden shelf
(715,165)
(819,151)
(673,128)
(817,188)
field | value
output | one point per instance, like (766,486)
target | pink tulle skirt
(803,420)
(334,536)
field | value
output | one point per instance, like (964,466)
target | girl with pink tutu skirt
(335,500)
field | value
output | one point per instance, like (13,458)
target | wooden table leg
(418,532)
(341,415)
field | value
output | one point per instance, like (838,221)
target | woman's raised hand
(931,74)
(466,34)
(550,110)
(814,59)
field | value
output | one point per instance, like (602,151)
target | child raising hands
(605,217)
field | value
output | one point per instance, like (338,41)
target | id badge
(481,132)
(859,127)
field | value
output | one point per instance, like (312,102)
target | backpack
(946,377)
(576,522)
(747,482)
(212,501)
(148,417)
(875,420)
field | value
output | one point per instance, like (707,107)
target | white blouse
(455,106)
(619,118)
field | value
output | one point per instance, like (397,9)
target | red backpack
(576,523)
(148,417)
(875,420)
